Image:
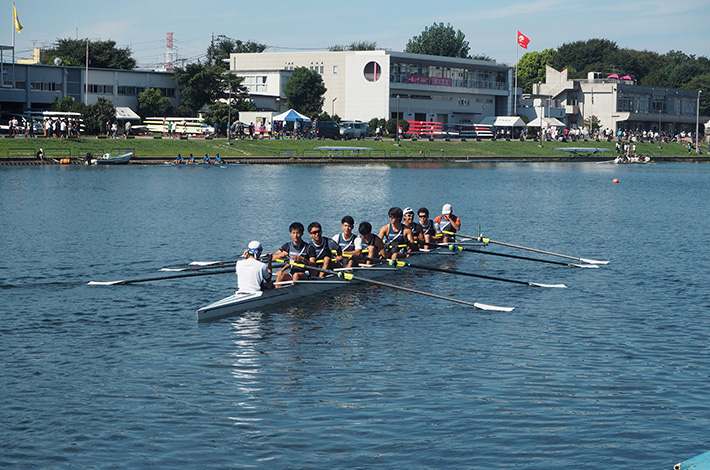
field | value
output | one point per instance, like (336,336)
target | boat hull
(240,302)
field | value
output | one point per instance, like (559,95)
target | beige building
(618,103)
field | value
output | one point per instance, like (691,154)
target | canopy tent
(290,116)
(124,113)
(503,121)
(547,122)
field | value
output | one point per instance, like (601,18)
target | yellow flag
(18,26)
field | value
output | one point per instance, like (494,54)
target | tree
(355,46)
(219,51)
(439,40)
(102,54)
(151,102)
(531,68)
(304,91)
(702,82)
(98,114)
(199,85)
(580,57)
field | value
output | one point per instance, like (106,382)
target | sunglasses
(315,232)
(422,216)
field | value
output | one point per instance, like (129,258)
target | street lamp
(332,107)
(229,116)
(397,128)
(697,122)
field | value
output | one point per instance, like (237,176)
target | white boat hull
(239,302)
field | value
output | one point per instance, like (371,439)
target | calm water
(609,373)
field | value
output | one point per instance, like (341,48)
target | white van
(353,130)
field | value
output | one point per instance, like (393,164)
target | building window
(372,71)
(335,70)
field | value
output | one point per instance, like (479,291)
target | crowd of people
(395,239)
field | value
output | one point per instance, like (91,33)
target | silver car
(353,130)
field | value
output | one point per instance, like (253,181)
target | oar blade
(576,265)
(593,261)
(106,283)
(494,308)
(538,284)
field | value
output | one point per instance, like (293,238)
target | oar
(350,276)
(200,265)
(162,278)
(505,255)
(399,263)
(488,240)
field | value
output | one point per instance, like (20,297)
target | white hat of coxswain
(446,209)
(254,246)
(407,210)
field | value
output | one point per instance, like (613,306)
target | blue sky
(490,27)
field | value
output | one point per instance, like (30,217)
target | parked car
(327,130)
(353,130)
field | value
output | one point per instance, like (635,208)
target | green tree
(199,85)
(580,57)
(702,83)
(98,114)
(531,68)
(102,54)
(304,91)
(439,39)
(151,102)
(220,50)
(355,46)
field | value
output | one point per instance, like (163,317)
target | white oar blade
(481,306)
(583,265)
(172,269)
(105,283)
(203,263)
(593,261)
(537,284)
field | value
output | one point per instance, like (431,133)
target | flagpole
(515,87)
(86,75)
(14,27)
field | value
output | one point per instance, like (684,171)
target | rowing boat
(292,290)
(108,159)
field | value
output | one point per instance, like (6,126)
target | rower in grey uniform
(428,228)
(347,241)
(371,244)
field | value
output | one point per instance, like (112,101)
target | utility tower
(170,54)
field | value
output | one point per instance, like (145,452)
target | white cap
(446,209)
(407,210)
(254,246)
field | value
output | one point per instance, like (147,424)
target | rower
(371,244)
(191,160)
(395,234)
(447,223)
(346,240)
(298,251)
(218,159)
(253,275)
(206,159)
(417,231)
(427,225)
(326,248)
(179,160)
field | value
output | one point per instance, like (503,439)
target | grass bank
(169,148)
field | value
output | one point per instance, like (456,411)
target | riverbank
(150,150)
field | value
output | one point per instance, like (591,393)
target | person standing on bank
(253,275)
(447,222)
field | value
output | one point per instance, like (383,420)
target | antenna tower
(169,53)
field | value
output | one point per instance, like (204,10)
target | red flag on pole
(523,40)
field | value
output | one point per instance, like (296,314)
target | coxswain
(396,237)
(253,275)
(297,251)
(371,245)
(427,225)
(447,224)
(346,240)
(326,249)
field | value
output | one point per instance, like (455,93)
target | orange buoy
(615,180)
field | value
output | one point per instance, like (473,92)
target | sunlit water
(609,373)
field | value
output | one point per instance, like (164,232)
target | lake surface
(612,372)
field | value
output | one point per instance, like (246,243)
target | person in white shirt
(253,275)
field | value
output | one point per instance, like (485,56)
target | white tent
(503,121)
(291,115)
(546,122)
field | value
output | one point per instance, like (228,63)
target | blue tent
(290,116)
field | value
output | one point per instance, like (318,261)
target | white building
(618,103)
(362,85)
